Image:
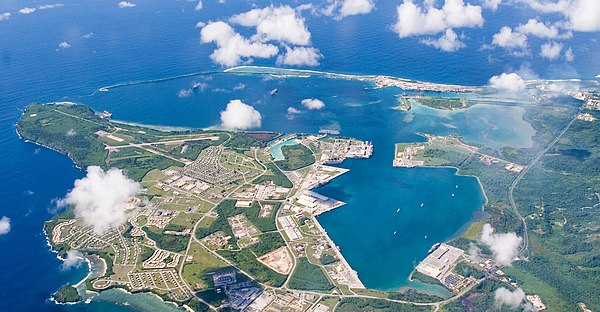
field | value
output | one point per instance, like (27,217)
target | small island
(67,294)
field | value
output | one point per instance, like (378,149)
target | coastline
(317,223)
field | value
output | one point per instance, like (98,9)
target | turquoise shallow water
(373,189)
(276,151)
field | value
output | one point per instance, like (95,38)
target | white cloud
(4,225)
(516,40)
(200,24)
(125,4)
(412,20)
(239,86)
(293,111)
(198,6)
(551,50)
(569,55)
(504,246)
(509,82)
(581,15)
(491,4)
(512,299)
(240,116)
(50,6)
(356,7)
(449,42)
(313,104)
(88,35)
(584,15)
(63,45)
(275,27)
(71,133)
(509,39)
(201,86)
(183,93)
(74,259)
(538,29)
(5,16)
(232,47)
(282,24)
(299,56)
(27,10)
(99,198)
(547,6)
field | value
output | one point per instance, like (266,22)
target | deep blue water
(158,39)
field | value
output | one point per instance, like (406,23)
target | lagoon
(373,190)
(276,151)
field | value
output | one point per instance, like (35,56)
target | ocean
(158,39)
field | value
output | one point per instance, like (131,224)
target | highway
(518,178)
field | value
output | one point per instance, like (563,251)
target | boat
(422,205)
(329,131)
(434,247)
(398,210)
(274,91)
(395,232)
(452,194)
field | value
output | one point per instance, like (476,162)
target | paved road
(518,178)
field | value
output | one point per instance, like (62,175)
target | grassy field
(246,260)
(442,103)
(296,157)
(197,273)
(307,276)
(274,175)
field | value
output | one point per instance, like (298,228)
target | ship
(434,247)
(329,131)
(274,91)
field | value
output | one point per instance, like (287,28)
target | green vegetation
(107,259)
(296,157)
(426,279)
(212,296)
(246,140)
(145,253)
(137,167)
(174,243)
(327,259)
(413,296)
(307,276)
(363,304)
(247,262)
(227,209)
(274,175)
(68,129)
(268,242)
(198,272)
(466,270)
(442,102)
(67,293)
(560,194)
(194,148)
(480,298)
(445,156)
(197,305)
